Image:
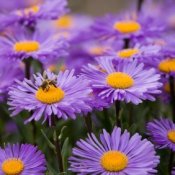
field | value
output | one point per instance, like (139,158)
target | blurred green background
(99,7)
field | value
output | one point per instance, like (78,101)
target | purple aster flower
(162,133)
(118,153)
(112,26)
(63,95)
(46,10)
(22,159)
(9,72)
(123,81)
(97,103)
(137,51)
(69,25)
(43,46)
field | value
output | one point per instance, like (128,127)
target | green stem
(27,63)
(171,160)
(107,120)
(88,122)
(58,148)
(117,113)
(172,94)
(139,5)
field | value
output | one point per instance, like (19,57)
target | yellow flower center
(51,95)
(26,46)
(97,50)
(127,53)
(167,65)
(12,166)
(33,9)
(127,26)
(114,161)
(65,22)
(119,80)
(171,136)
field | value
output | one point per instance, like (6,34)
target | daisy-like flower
(22,159)
(40,45)
(112,26)
(138,51)
(162,133)
(123,81)
(69,25)
(9,72)
(46,9)
(164,65)
(63,95)
(118,153)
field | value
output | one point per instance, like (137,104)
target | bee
(47,83)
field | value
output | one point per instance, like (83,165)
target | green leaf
(61,133)
(64,152)
(51,145)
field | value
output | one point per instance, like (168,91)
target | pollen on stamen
(119,80)
(127,26)
(167,65)
(52,95)
(97,50)
(27,11)
(171,136)
(12,166)
(26,46)
(127,53)
(114,161)
(65,22)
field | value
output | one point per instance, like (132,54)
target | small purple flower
(69,26)
(162,133)
(9,72)
(129,26)
(43,46)
(22,159)
(123,81)
(46,10)
(137,51)
(115,154)
(63,95)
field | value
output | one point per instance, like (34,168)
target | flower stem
(27,63)
(117,110)
(171,160)
(107,120)
(58,147)
(126,43)
(172,94)
(88,122)
(139,5)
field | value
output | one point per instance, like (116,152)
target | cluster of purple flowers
(79,65)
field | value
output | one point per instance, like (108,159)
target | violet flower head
(123,81)
(9,72)
(139,51)
(128,27)
(162,133)
(62,96)
(45,10)
(40,45)
(22,159)
(115,154)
